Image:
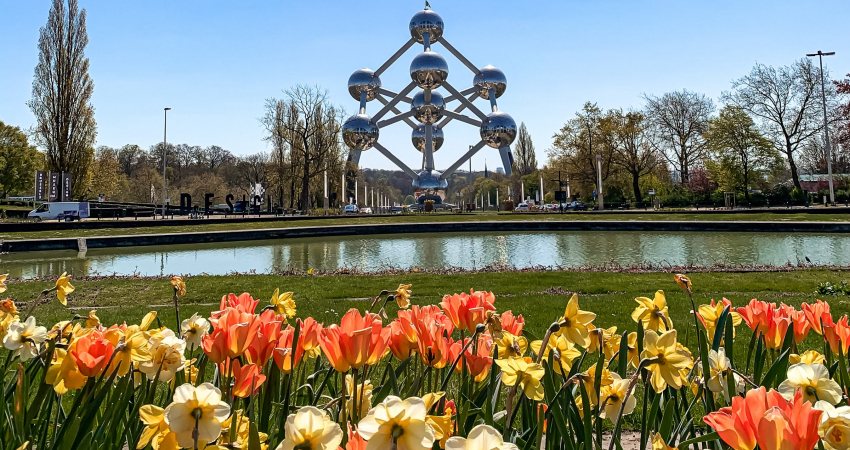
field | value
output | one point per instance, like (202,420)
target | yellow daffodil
(813,381)
(196,414)
(361,394)
(575,322)
(25,338)
(311,271)
(284,303)
(684,282)
(131,347)
(614,400)
(156,431)
(442,425)
(710,313)
(565,352)
(178,285)
(8,307)
(92,321)
(147,321)
(653,313)
(525,372)
(480,437)
(834,428)
(634,356)
(63,373)
(3,278)
(167,357)
(194,329)
(608,339)
(63,288)
(607,378)
(659,444)
(510,346)
(808,357)
(241,434)
(399,422)
(402,295)
(668,360)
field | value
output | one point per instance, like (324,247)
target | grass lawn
(539,296)
(284,223)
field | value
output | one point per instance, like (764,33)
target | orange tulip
(467,311)
(309,336)
(215,346)
(357,341)
(478,363)
(433,329)
(283,355)
(243,303)
(355,441)
(402,336)
(767,419)
(837,335)
(240,336)
(247,379)
(268,334)
(757,315)
(801,324)
(817,314)
(512,324)
(92,353)
(778,327)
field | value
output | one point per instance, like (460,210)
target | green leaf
(777,370)
(698,440)
(720,328)
(667,420)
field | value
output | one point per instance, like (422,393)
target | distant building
(500,170)
(820,181)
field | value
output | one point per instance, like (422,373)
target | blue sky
(216,62)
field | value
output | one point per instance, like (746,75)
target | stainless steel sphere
(426,21)
(430,180)
(428,70)
(417,136)
(364,80)
(428,112)
(359,132)
(499,130)
(490,78)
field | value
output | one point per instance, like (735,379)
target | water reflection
(466,250)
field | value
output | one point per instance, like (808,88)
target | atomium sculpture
(429,111)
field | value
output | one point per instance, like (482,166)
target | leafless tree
(679,119)
(785,102)
(634,150)
(61,94)
(253,170)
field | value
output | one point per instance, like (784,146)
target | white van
(60,211)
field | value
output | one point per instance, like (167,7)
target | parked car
(576,205)
(60,211)
(350,209)
(366,210)
(522,207)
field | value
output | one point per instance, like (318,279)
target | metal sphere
(359,132)
(428,70)
(418,137)
(499,130)
(430,179)
(428,112)
(490,78)
(364,80)
(426,21)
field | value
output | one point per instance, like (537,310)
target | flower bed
(458,375)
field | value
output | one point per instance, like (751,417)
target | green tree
(18,161)
(739,147)
(61,94)
(107,177)
(525,161)
(627,134)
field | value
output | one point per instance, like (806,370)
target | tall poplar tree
(61,94)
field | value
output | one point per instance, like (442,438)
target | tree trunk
(636,188)
(794,176)
(304,198)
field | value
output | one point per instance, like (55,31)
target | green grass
(284,223)
(539,296)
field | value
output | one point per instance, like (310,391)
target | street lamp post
(164,155)
(820,56)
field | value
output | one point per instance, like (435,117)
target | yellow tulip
(63,288)
(668,360)
(653,313)
(284,303)
(575,322)
(525,373)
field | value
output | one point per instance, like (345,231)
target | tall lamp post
(164,154)
(820,56)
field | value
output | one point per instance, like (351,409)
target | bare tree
(785,101)
(525,162)
(679,119)
(253,170)
(61,94)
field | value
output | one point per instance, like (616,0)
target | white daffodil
(310,428)
(480,438)
(25,338)
(398,421)
(814,382)
(196,408)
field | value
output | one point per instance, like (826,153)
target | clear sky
(216,62)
